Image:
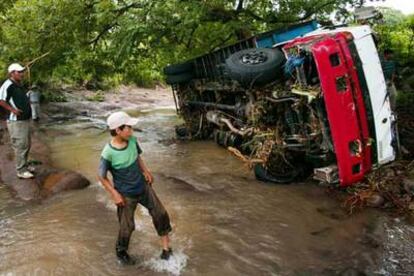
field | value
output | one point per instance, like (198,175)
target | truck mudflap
(345,108)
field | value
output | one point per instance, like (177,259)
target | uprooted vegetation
(391,187)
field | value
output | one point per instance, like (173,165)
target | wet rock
(370,240)
(59,181)
(321,231)
(109,107)
(352,272)
(62,117)
(375,200)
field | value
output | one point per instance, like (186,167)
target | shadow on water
(225,222)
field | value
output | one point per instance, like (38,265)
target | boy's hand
(118,199)
(148,176)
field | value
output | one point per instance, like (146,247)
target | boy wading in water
(132,184)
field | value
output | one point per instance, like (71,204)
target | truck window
(334,59)
(341,86)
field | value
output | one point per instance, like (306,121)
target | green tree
(123,41)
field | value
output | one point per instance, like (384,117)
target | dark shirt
(123,165)
(15,95)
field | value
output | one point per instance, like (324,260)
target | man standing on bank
(13,98)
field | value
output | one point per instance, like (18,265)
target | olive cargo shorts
(20,140)
(159,215)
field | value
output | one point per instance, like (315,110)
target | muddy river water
(225,222)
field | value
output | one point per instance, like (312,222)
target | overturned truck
(292,103)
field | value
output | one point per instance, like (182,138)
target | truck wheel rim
(253,58)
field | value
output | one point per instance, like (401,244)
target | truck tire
(257,66)
(180,78)
(264,175)
(179,68)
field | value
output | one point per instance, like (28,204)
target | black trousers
(159,215)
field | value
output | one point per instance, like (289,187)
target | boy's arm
(104,166)
(109,187)
(147,174)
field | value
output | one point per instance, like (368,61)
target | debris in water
(389,188)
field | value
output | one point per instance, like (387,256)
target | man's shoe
(124,258)
(166,254)
(25,175)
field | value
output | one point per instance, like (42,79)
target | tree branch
(190,40)
(222,41)
(118,13)
(273,19)
(239,6)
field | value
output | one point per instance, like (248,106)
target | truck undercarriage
(287,111)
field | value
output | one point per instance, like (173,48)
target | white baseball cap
(120,118)
(15,67)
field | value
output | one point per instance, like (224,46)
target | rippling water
(225,222)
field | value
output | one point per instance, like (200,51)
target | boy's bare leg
(165,240)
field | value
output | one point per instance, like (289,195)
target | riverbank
(81,106)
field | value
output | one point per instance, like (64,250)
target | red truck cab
(345,103)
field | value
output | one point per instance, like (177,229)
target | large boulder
(58,181)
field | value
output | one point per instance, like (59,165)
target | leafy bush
(97,97)
(53,96)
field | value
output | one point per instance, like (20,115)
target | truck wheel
(264,175)
(180,78)
(182,131)
(179,68)
(255,66)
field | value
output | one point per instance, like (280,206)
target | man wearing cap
(132,184)
(13,98)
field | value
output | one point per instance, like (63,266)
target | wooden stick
(30,63)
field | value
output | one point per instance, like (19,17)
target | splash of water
(174,265)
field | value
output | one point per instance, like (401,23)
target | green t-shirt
(123,165)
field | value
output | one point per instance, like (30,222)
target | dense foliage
(397,33)
(108,42)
